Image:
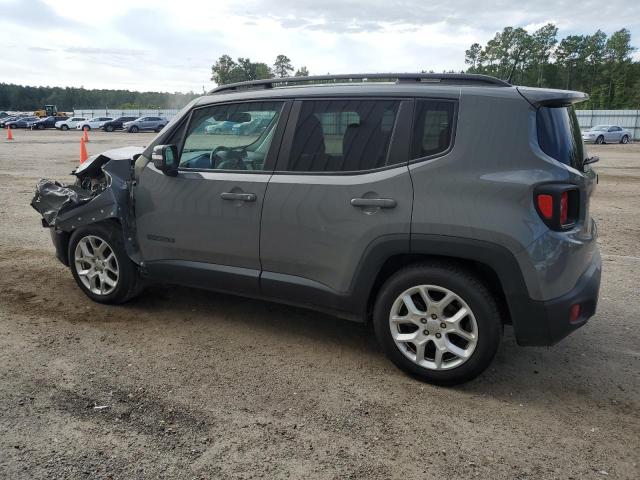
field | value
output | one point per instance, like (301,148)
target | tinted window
(559,135)
(230,137)
(433,127)
(342,135)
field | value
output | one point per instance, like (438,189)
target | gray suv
(438,207)
(145,124)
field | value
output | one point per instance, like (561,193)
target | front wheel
(133,129)
(100,264)
(64,128)
(600,140)
(109,128)
(438,322)
(625,139)
(40,127)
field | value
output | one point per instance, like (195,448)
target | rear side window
(342,135)
(433,127)
(559,135)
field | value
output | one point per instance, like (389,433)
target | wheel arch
(492,263)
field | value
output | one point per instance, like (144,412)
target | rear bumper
(547,322)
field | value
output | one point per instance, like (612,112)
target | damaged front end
(102,191)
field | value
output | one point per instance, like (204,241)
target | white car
(95,122)
(69,123)
(606,134)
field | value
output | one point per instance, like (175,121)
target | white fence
(167,113)
(629,119)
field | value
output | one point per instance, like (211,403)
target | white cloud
(170,45)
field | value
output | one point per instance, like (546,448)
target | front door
(202,226)
(341,185)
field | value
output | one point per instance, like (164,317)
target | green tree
(221,71)
(302,72)
(282,66)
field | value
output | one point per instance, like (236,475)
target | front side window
(230,137)
(433,127)
(559,135)
(342,135)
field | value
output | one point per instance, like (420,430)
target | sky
(170,46)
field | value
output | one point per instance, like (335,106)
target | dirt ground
(201,385)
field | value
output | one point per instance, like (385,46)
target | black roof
(364,78)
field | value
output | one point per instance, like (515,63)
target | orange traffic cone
(83,151)
(9,134)
(85,136)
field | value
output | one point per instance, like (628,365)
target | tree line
(226,70)
(25,98)
(597,64)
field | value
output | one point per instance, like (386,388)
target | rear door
(341,184)
(202,226)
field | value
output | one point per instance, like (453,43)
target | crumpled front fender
(68,207)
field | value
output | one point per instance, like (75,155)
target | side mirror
(165,159)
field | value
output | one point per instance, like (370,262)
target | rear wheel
(100,264)
(625,139)
(600,140)
(438,322)
(159,128)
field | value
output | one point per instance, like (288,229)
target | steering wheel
(233,155)
(213,154)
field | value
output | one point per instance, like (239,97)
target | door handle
(243,197)
(373,202)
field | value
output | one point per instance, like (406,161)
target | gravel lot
(200,385)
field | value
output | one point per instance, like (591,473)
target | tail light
(558,205)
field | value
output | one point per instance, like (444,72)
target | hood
(93,164)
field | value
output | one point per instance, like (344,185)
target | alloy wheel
(433,327)
(96,265)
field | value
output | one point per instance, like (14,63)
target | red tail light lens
(545,205)
(558,205)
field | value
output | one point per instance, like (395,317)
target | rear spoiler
(547,97)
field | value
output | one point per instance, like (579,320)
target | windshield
(600,128)
(559,135)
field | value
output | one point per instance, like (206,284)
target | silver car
(606,134)
(145,123)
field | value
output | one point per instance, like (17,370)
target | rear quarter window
(559,135)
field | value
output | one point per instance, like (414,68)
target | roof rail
(442,78)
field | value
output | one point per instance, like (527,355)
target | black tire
(600,140)
(159,128)
(624,139)
(109,128)
(86,127)
(40,127)
(469,288)
(64,128)
(128,283)
(133,129)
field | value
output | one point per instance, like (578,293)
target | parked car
(145,123)
(8,119)
(22,122)
(3,114)
(249,128)
(69,123)
(48,122)
(95,122)
(606,134)
(394,203)
(116,124)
